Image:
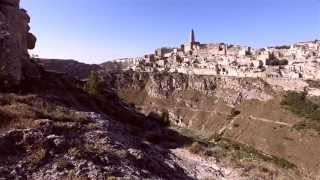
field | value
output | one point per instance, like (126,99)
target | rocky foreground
(100,149)
(71,144)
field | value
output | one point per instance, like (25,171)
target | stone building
(161,52)
(192,44)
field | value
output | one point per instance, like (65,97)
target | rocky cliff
(243,110)
(15,40)
(231,90)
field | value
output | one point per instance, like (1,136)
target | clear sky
(95,31)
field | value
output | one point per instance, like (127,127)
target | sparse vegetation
(274,61)
(37,157)
(307,125)
(112,178)
(246,153)
(313,83)
(283,47)
(236,125)
(63,164)
(72,176)
(248,53)
(299,104)
(93,85)
(63,114)
(202,149)
(21,111)
(234,112)
(162,118)
(196,148)
(232,152)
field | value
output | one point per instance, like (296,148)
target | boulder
(31,40)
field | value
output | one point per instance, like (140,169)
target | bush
(93,85)
(300,105)
(63,164)
(274,61)
(283,62)
(161,119)
(165,118)
(65,115)
(248,53)
(37,156)
(234,112)
(196,148)
(283,47)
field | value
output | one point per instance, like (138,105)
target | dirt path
(270,121)
(229,126)
(185,108)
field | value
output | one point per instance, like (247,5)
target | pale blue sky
(94,31)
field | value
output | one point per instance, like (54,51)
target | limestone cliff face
(15,40)
(243,110)
(189,100)
(231,90)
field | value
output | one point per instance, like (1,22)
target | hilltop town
(297,61)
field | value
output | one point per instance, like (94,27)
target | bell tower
(192,44)
(192,36)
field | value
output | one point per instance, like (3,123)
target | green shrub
(196,148)
(37,156)
(234,112)
(274,61)
(300,105)
(165,118)
(162,119)
(93,85)
(283,47)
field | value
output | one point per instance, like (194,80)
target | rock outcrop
(15,40)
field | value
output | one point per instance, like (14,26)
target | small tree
(93,85)
(272,60)
(284,62)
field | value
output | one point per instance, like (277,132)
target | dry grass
(63,164)
(37,156)
(111,178)
(202,150)
(196,148)
(72,176)
(21,111)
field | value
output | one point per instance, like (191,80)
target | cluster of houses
(301,60)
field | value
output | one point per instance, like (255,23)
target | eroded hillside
(249,111)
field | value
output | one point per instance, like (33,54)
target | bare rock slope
(100,149)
